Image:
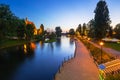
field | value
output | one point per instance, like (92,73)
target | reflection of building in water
(32,45)
(29,47)
(25,48)
(29,22)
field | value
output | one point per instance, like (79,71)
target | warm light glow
(101,43)
(33,46)
(25,48)
(88,39)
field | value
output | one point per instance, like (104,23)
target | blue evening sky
(65,13)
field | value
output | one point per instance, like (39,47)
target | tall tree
(58,31)
(5,19)
(21,29)
(41,29)
(91,28)
(117,31)
(102,20)
(84,30)
(71,31)
(79,29)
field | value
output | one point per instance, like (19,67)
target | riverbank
(82,67)
(10,43)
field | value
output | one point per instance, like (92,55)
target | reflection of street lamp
(101,44)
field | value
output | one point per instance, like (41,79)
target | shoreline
(16,44)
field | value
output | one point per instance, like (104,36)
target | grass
(115,46)
(10,43)
(50,41)
(96,53)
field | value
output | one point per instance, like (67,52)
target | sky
(64,13)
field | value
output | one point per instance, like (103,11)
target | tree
(79,29)
(21,29)
(71,31)
(91,28)
(102,20)
(84,30)
(58,31)
(110,32)
(117,31)
(5,19)
(29,31)
(41,29)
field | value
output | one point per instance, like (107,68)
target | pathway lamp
(101,44)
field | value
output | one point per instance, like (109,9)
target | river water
(35,61)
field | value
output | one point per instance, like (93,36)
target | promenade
(82,67)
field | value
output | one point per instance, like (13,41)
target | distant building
(29,22)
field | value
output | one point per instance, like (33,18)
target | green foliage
(115,46)
(71,31)
(29,30)
(58,31)
(42,29)
(102,20)
(21,29)
(117,31)
(84,29)
(91,24)
(79,29)
(9,23)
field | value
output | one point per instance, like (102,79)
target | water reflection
(58,42)
(71,41)
(34,61)
(29,48)
(41,44)
(51,47)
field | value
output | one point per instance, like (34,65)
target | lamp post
(101,44)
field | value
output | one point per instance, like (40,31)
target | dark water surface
(34,61)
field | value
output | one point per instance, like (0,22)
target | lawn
(9,43)
(115,46)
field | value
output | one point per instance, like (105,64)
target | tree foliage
(9,23)
(42,29)
(71,31)
(29,29)
(102,20)
(117,31)
(91,28)
(79,29)
(58,31)
(84,29)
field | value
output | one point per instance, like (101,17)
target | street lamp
(101,44)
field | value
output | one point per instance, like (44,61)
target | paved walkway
(108,50)
(81,67)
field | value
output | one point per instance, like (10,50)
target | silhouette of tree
(71,31)
(79,29)
(117,31)
(58,31)
(84,29)
(91,28)
(102,20)
(21,29)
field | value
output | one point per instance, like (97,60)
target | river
(35,61)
